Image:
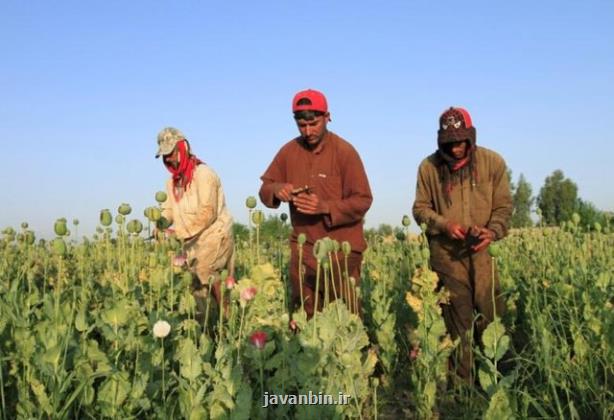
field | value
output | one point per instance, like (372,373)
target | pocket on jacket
(330,187)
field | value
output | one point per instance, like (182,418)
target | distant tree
(523,201)
(589,214)
(273,228)
(240,231)
(510,180)
(384,229)
(557,199)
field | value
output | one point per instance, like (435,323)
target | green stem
(240,333)
(300,275)
(315,309)
(163,382)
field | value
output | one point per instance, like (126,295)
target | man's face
(313,130)
(172,159)
(457,149)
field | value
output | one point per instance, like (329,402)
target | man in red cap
(463,196)
(322,178)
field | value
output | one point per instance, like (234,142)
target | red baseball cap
(314,101)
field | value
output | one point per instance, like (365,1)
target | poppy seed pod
(24,225)
(124,209)
(161,197)
(257,217)
(29,237)
(251,202)
(494,250)
(301,239)
(135,227)
(346,248)
(105,217)
(406,221)
(283,217)
(320,250)
(400,236)
(120,219)
(335,245)
(59,227)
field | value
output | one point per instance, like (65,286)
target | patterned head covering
(455,125)
(167,140)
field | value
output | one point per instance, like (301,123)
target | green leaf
(189,359)
(492,340)
(499,407)
(243,404)
(80,322)
(41,396)
(114,390)
(487,379)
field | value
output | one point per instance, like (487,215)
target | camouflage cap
(167,139)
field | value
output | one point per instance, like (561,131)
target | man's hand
(310,204)
(455,231)
(485,236)
(284,193)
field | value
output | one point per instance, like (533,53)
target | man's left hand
(310,204)
(486,236)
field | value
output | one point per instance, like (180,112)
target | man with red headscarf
(196,207)
(463,196)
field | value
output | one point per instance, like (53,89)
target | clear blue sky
(86,86)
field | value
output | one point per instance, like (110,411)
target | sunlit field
(107,327)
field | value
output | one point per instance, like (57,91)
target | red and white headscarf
(183,174)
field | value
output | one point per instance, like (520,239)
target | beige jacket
(202,208)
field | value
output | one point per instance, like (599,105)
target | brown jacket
(336,174)
(487,203)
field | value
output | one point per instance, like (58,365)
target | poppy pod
(257,217)
(251,202)
(124,209)
(346,248)
(105,217)
(301,239)
(406,221)
(161,197)
(60,227)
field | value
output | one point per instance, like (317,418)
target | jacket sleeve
(356,193)
(272,180)
(502,205)
(423,208)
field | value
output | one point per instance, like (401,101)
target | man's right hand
(284,193)
(455,231)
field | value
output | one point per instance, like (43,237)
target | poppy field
(108,327)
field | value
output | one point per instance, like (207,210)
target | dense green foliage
(83,334)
